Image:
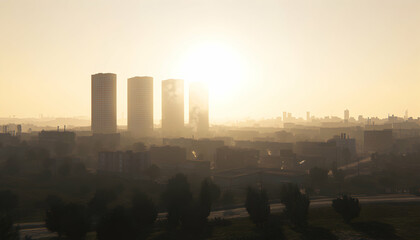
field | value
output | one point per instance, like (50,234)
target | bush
(347,207)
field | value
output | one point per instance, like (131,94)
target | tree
(54,214)
(209,190)
(116,224)
(209,194)
(75,221)
(134,223)
(257,206)
(8,202)
(144,211)
(71,220)
(296,204)
(12,166)
(347,207)
(196,218)
(177,199)
(100,201)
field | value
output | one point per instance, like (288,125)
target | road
(354,164)
(322,202)
(37,229)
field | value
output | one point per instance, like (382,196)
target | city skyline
(209,119)
(286,56)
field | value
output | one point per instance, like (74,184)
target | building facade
(140,106)
(123,162)
(104,103)
(172,107)
(199,108)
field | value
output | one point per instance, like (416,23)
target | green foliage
(257,206)
(296,204)
(347,207)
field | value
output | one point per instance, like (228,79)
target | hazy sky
(316,55)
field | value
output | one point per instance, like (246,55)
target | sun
(215,64)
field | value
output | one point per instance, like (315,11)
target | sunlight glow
(214,64)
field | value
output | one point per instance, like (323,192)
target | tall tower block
(104,103)
(140,106)
(172,107)
(199,108)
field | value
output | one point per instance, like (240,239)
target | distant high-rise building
(346,115)
(308,116)
(199,108)
(284,116)
(104,103)
(140,106)
(172,107)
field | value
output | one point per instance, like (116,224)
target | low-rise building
(380,141)
(230,158)
(123,162)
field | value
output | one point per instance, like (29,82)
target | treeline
(187,216)
(295,213)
